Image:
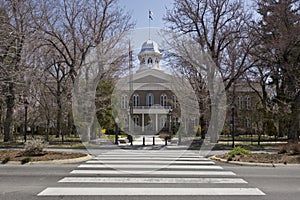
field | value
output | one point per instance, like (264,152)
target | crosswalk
(150,173)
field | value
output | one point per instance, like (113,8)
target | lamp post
(26,103)
(179,131)
(117,131)
(232,122)
(170,120)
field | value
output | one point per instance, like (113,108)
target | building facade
(149,99)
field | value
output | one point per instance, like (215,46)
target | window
(150,99)
(163,120)
(163,100)
(244,103)
(193,123)
(248,103)
(143,61)
(124,102)
(240,103)
(150,61)
(135,100)
(174,101)
(135,121)
(125,120)
(248,122)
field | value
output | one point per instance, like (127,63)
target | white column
(156,123)
(143,122)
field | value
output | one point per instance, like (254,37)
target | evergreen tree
(279,52)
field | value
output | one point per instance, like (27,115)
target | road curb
(253,164)
(62,161)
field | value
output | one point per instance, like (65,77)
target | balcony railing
(158,107)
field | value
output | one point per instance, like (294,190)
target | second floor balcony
(154,109)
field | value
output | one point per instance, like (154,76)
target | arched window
(136,100)
(150,61)
(149,99)
(163,100)
(124,102)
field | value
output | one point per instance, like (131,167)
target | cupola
(149,55)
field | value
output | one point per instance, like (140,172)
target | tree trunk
(59,116)
(293,135)
(10,104)
(47,129)
(85,133)
(59,119)
(214,124)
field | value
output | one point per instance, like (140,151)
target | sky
(139,10)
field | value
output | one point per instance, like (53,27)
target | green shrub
(239,151)
(25,160)
(35,147)
(5,160)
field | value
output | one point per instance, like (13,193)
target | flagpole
(149,25)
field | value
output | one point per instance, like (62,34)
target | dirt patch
(287,154)
(264,158)
(17,155)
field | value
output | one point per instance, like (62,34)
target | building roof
(149,46)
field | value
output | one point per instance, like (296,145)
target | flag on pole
(150,14)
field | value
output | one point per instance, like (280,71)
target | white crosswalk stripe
(149,158)
(152,170)
(119,166)
(149,180)
(149,191)
(162,162)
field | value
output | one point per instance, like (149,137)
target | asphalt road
(26,182)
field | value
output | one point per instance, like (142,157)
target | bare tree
(66,31)
(14,28)
(221,28)
(56,80)
(71,28)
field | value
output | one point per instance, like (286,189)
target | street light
(170,120)
(117,131)
(179,131)
(232,123)
(26,104)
